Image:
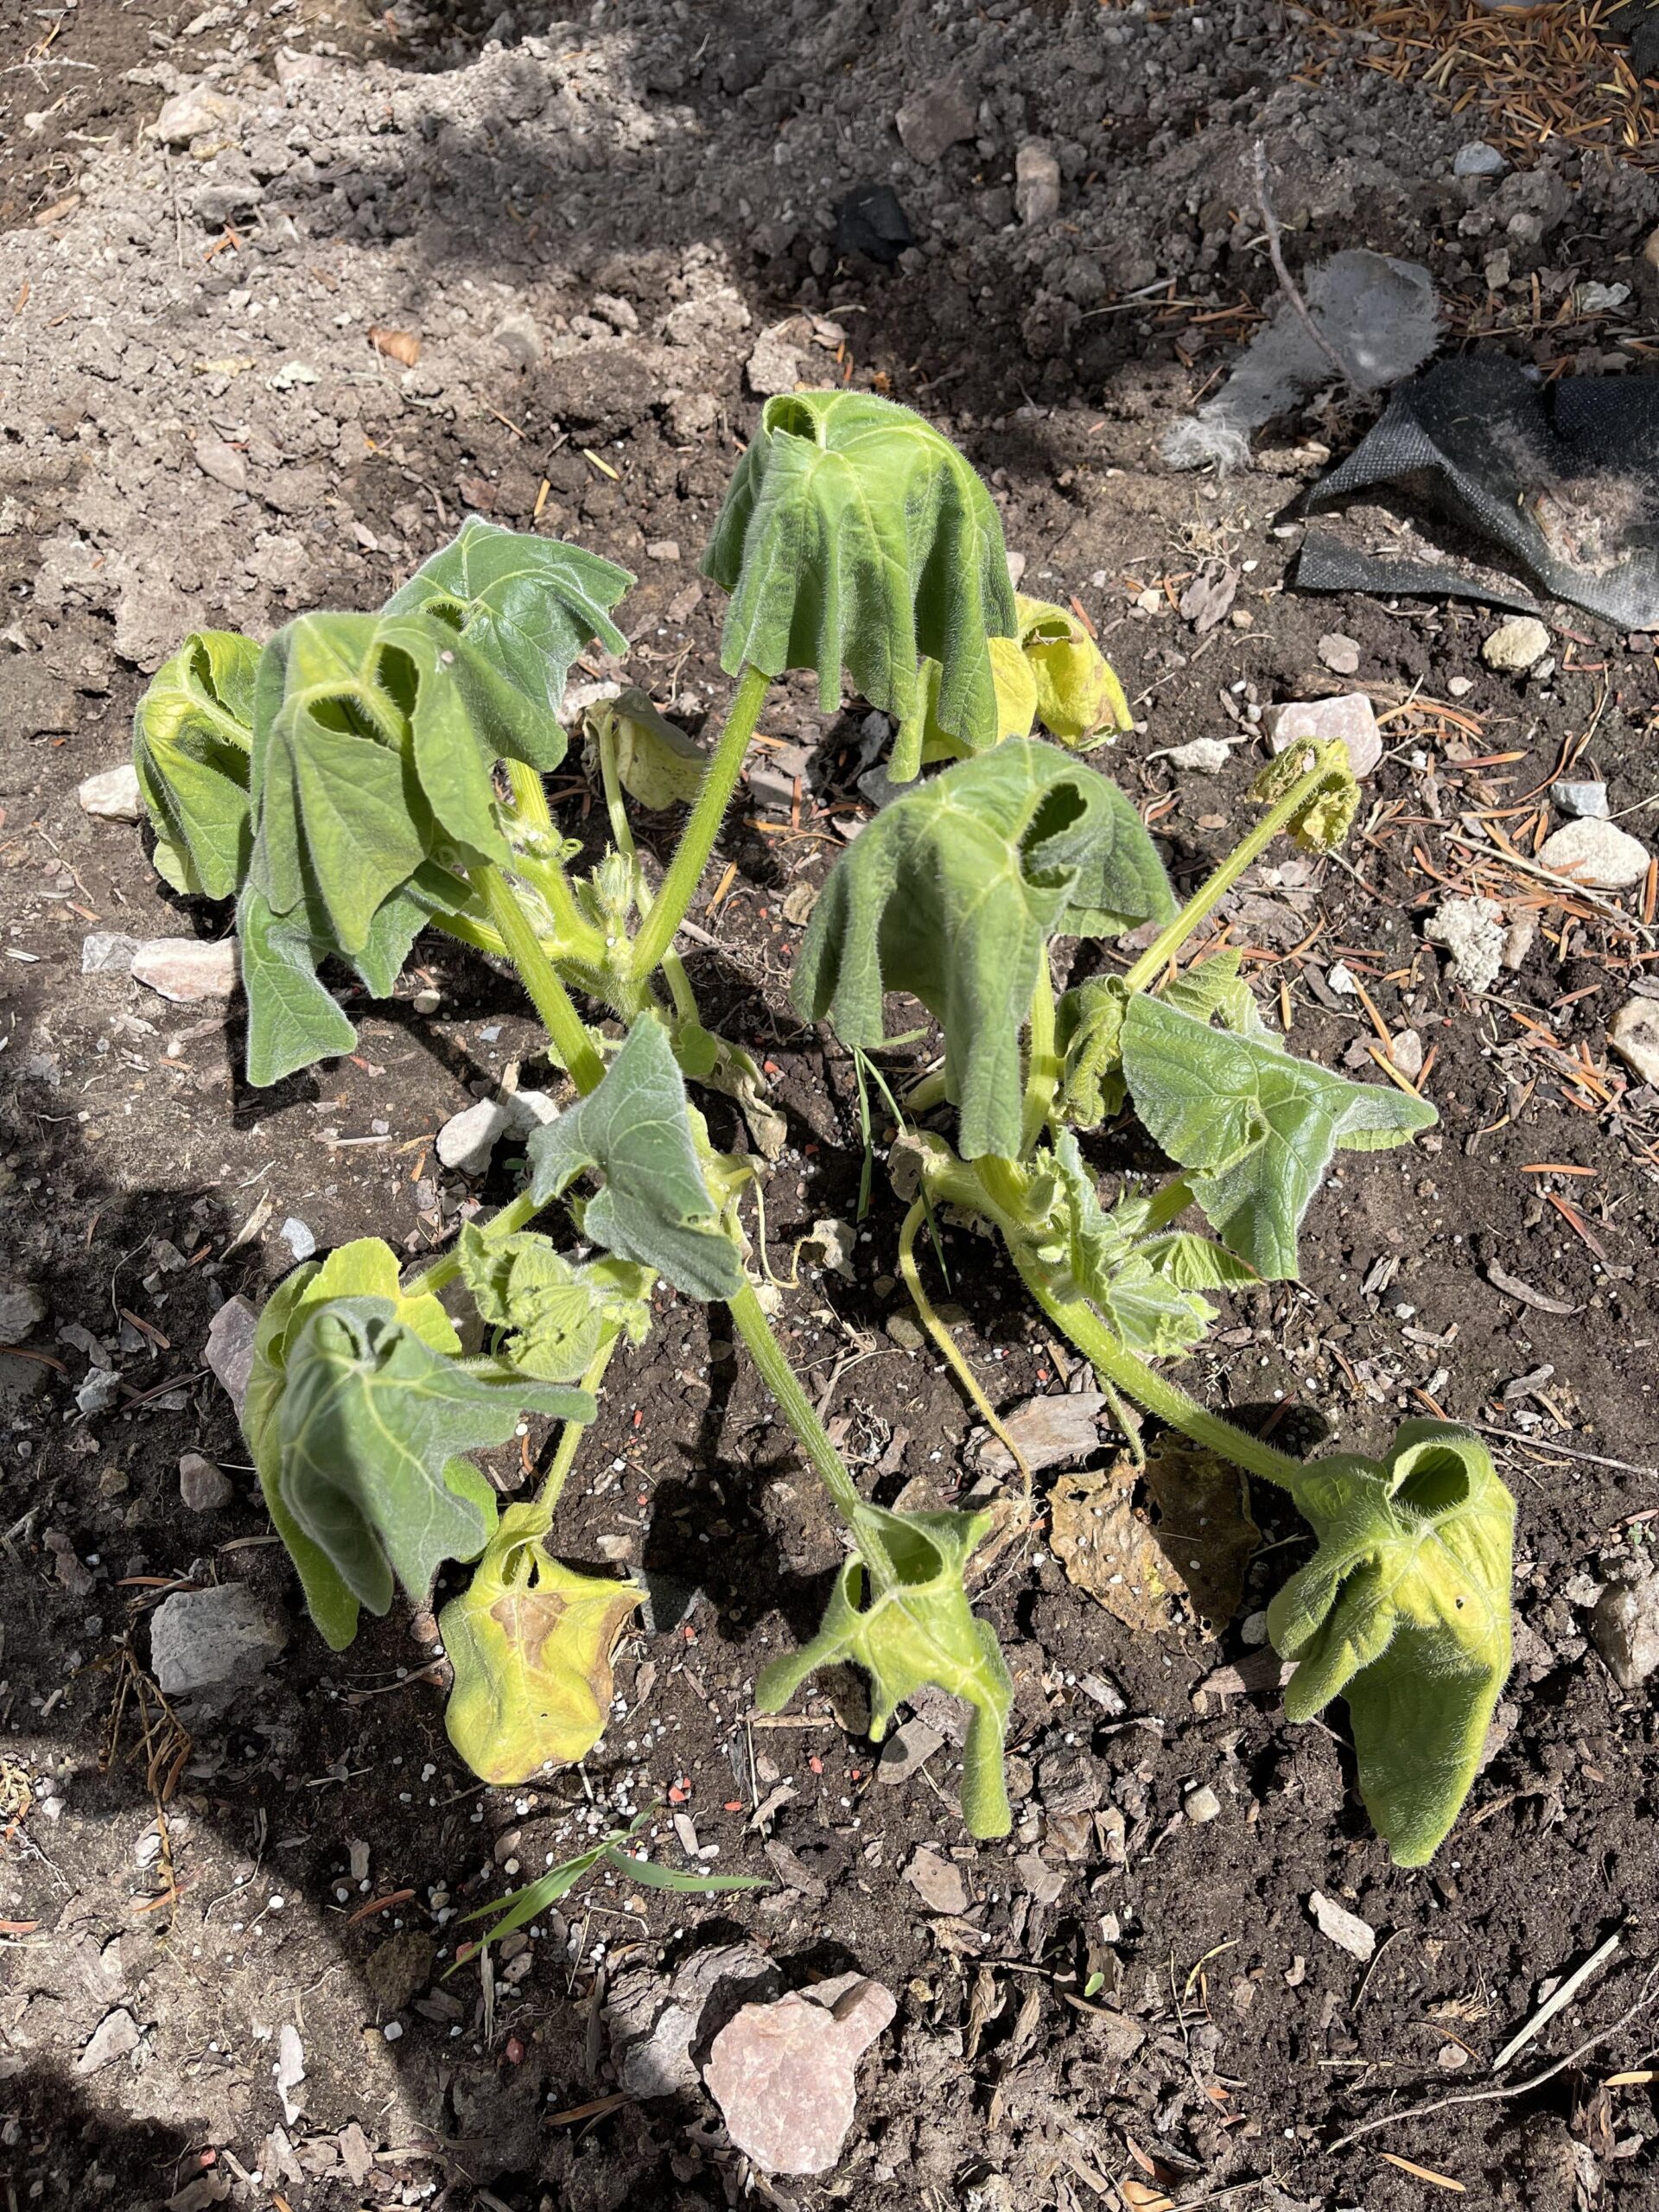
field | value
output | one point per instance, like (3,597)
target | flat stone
(399,1969)
(1625,1628)
(1520,938)
(222,463)
(1634,1035)
(1516,646)
(22,1309)
(115,2036)
(1476,158)
(1339,654)
(774,365)
(112,794)
(187,970)
(1344,1929)
(938,1882)
(1350,717)
(1584,801)
(467,1139)
(1598,853)
(229,1349)
(1041,1882)
(1471,930)
(203,1484)
(783,2075)
(98,1390)
(907,1749)
(107,952)
(1208,755)
(1036,182)
(299,1236)
(204,1639)
(935,120)
(652,2020)
(190,115)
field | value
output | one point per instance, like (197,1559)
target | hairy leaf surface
(952,894)
(557,1312)
(855,535)
(530,1641)
(371,1426)
(192,733)
(1088,1027)
(1257,1127)
(899,1610)
(1404,1610)
(635,1131)
(1077,694)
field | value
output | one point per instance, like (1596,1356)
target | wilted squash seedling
(363,777)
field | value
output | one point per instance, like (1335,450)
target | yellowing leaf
(530,1641)
(1183,1554)
(1077,694)
(1327,814)
(656,763)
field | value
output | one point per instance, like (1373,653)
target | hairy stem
(569,1037)
(530,796)
(696,841)
(673,967)
(1042,1065)
(571,1434)
(947,1344)
(1169,941)
(797,1407)
(467,932)
(1115,1363)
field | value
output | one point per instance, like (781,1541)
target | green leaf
(558,1312)
(526,605)
(1089,1029)
(1258,1127)
(952,892)
(530,1641)
(899,1610)
(366,1269)
(855,535)
(191,736)
(1404,1610)
(634,1130)
(371,1426)
(650,1875)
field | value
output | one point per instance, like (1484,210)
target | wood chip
(1512,1287)
(397,345)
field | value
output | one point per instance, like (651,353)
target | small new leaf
(635,1131)
(1327,813)
(1404,1610)
(855,535)
(370,1427)
(1257,1127)
(952,894)
(558,1312)
(530,1641)
(899,1610)
(191,736)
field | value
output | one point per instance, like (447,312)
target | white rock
(1634,1035)
(1201,1805)
(97,1390)
(107,952)
(1036,182)
(184,969)
(1339,654)
(299,1236)
(1519,938)
(467,1139)
(1598,853)
(773,366)
(22,1309)
(1348,717)
(229,1349)
(1514,647)
(112,794)
(1471,930)
(200,1639)
(191,115)
(1478,159)
(1343,1927)
(1208,755)
(1625,1626)
(1584,801)
(1460,686)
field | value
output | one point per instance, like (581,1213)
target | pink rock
(187,970)
(1348,717)
(782,2073)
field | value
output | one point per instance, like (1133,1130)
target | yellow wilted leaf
(1078,693)
(530,1641)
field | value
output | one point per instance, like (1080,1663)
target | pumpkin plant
(361,777)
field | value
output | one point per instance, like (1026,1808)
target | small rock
(1406,1051)
(773,366)
(1471,930)
(906,1749)
(399,1969)
(1208,755)
(652,2022)
(184,969)
(1201,1805)
(1515,646)
(201,1639)
(1625,1627)
(203,1486)
(1476,158)
(299,1236)
(1036,182)
(1520,938)
(190,115)
(934,120)
(98,1391)
(517,338)
(22,1309)
(1598,853)
(115,2036)
(872,220)
(112,795)
(467,1139)
(1055,1431)
(1633,1034)
(1339,654)
(1460,686)
(937,1882)
(1348,717)
(222,463)
(229,1349)
(1344,1929)
(905,1332)
(107,952)
(1042,1883)
(783,2075)
(663,549)
(1584,801)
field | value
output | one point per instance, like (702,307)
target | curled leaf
(1404,1609)
(558,1312)
(655,762)
(952,892)
(855,535)
(530,1641)
(899,1610)
(1327,814)
(1077,694)
(191,732)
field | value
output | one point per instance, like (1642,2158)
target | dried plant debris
(1180,1555)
